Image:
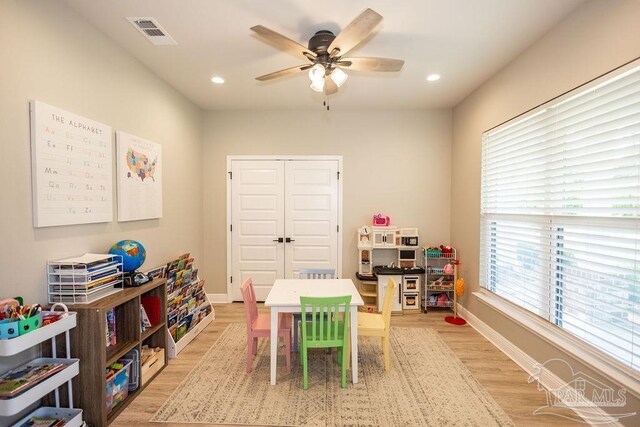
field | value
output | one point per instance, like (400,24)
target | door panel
(257,209)
(309,254)
(311,228)
(320,203)
(250,228)
(311,215)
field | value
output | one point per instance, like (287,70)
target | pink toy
(381,220)
(448,269)
(443,299)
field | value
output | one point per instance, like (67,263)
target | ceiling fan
(325,53)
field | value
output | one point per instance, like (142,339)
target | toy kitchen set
(392,252)
(389,252)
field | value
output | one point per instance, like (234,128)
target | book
(82,285)
(26,376)
(83,278)
(75,269)
(110,328)
(181,330)
(172,318)
(144,318)
(174,331)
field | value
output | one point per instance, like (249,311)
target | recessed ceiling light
(433,77)
(217,80)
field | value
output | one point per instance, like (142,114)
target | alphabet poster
(139,178)
(71,166)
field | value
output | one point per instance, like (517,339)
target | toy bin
(118,386)
(8,329)
(433,253)
(29,324)
(152,365)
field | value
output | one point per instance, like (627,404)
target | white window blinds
(560,213)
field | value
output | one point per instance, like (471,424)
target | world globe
(132,252)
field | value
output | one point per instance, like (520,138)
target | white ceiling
(466,41)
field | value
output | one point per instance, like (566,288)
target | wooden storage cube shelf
(88,342)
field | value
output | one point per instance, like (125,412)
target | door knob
(289,240)
(279,240)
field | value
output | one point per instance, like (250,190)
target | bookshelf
(189,310)
(89,343)
(11,349)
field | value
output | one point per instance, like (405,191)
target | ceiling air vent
(150,28)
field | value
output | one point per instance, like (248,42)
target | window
(560,213)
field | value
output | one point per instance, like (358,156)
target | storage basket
(118,386)
(29,324)
(433,253)
(134,371)
(8,329)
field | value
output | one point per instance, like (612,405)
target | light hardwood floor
(500,376)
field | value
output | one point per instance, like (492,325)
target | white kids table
(284,297)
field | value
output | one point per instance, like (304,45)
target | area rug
(426,386)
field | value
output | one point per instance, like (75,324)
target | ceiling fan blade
(371,64)
(330,87)
(282,42)
(356,31)
(284,72)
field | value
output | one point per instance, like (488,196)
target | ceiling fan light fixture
(316,73)
(339,77)
(317,85)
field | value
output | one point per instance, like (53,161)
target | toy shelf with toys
(23,386)
(441,267)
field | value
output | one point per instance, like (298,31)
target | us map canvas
(139,178)
(71,167)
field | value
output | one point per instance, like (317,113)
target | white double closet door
(284,216)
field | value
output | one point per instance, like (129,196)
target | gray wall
(50,53)
(598,37)
(395,162)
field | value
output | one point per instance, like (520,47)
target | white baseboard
(587,410)
(218,298)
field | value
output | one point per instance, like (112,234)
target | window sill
(590,356)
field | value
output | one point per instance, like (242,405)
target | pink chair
(259,325)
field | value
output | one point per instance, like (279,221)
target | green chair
(324,328)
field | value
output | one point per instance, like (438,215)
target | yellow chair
(379,324)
